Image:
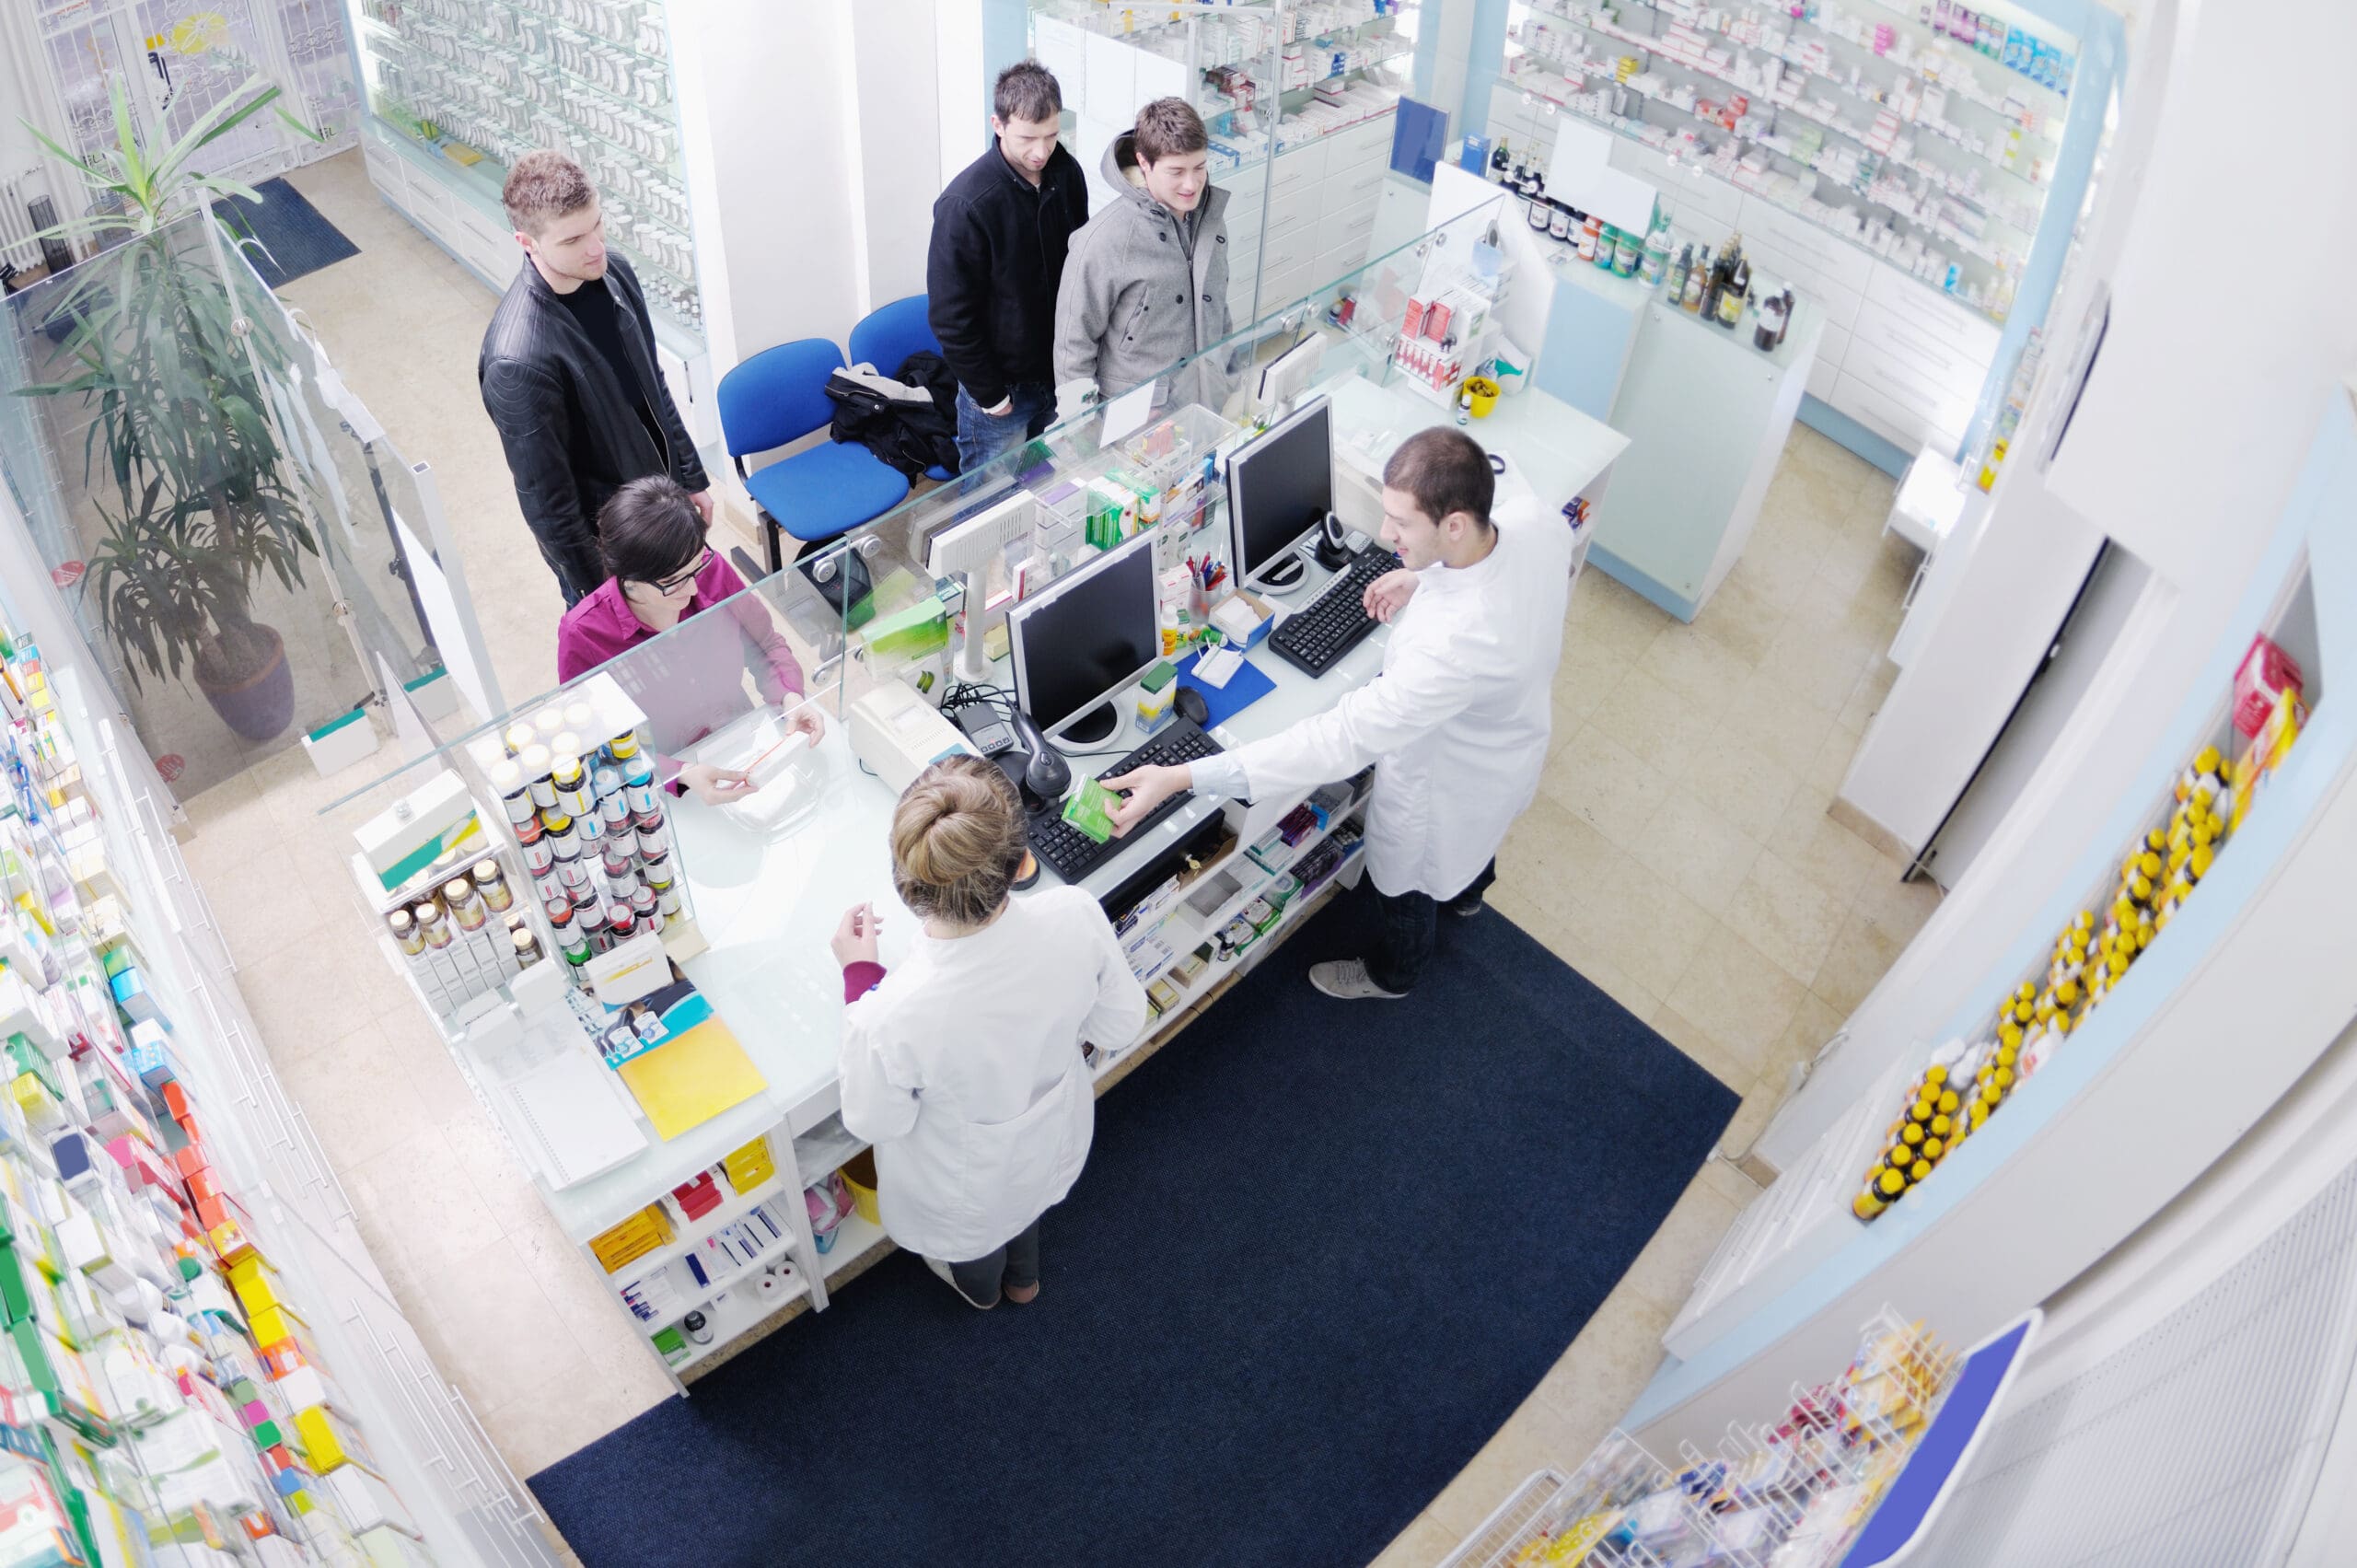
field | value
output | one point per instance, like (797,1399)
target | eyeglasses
(681,579)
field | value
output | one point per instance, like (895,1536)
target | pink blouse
(695,682)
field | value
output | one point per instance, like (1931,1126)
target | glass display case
(1299,97)
(246,584)
(462,89)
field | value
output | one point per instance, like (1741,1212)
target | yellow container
(1482,393)
(859,1175)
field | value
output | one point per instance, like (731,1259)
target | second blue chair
(888,335)
(780,396)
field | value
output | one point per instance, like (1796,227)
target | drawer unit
(1932,316)
(1831,259)
(1289,210)
(1918,354)
(1282,287)
(1833,345)
(1359,219)
(1890,419)
(1370,137)
(1822,380)
(1295,247)
(1298,167)
(1349,185)
(1945,402)
(1839,302)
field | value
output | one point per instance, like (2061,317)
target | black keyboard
(1315,637)
(1071,854)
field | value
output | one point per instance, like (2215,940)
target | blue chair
(888,334)
(778,396)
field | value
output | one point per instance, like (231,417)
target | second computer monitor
(1278,488)
(1084,638)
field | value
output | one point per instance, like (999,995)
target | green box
(1090,807)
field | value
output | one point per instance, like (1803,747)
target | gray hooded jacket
(1140,292)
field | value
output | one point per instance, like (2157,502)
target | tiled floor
(1679,856)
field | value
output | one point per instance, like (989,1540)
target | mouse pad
(1245,687)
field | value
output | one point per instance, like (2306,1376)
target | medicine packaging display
(1965,1081)
(480,84)
(159,1380)
(1791,1495)
(1942,130)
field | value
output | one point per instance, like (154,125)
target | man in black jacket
(568,373)
(999,233)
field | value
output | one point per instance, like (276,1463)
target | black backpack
(910,436)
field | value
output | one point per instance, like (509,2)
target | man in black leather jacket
(568,373)
(997,253)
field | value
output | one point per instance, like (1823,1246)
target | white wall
(813,195)
(2201,407)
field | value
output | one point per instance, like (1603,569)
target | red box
(190,1160)
(2266,671)
(176,1100)
(1436,320)
(1413,326)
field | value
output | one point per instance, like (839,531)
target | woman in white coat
(1457,723)
(963,1066)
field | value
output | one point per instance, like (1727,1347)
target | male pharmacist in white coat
(1458,722)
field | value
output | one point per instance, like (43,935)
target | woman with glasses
(660,573)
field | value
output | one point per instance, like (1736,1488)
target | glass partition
(225,528)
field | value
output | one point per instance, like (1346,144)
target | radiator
(18,227)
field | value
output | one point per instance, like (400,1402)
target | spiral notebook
(569,1120)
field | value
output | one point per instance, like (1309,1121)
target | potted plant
(196,503)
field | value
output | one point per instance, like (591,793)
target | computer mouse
(1191,706)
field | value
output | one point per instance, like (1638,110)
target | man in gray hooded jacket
(1146,280)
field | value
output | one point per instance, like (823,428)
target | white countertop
(767,903)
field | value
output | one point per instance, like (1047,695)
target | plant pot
(250,685)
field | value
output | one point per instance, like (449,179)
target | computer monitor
(1083,639)
(1278,488)
(1288,376)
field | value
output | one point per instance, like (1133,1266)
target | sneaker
(1464,908)
(1346,980)
(942,1269)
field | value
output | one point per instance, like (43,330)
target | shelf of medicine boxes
(1938,179)
(396,101)
(1200,928)
(1620,126)
(1967,89)
(1977,200)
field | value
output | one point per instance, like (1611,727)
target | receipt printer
(897,734)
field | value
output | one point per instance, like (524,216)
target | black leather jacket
(572,436)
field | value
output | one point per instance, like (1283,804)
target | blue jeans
(981,437)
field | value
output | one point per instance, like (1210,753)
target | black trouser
(1411,923)
(1016,1264)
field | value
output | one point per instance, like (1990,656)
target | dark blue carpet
(1320,1254)
(295,238)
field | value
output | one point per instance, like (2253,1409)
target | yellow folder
(691,1077)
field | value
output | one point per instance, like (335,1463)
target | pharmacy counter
(767,899)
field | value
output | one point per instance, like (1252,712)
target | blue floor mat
(295,238)
(1321,1251)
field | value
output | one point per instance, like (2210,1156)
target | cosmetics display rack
(1842,118)
(1790,1494)
(177,1382)
(473,86)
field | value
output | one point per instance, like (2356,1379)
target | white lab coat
(963,1069)
(1456,723)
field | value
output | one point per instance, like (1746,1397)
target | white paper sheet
(1126,414)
